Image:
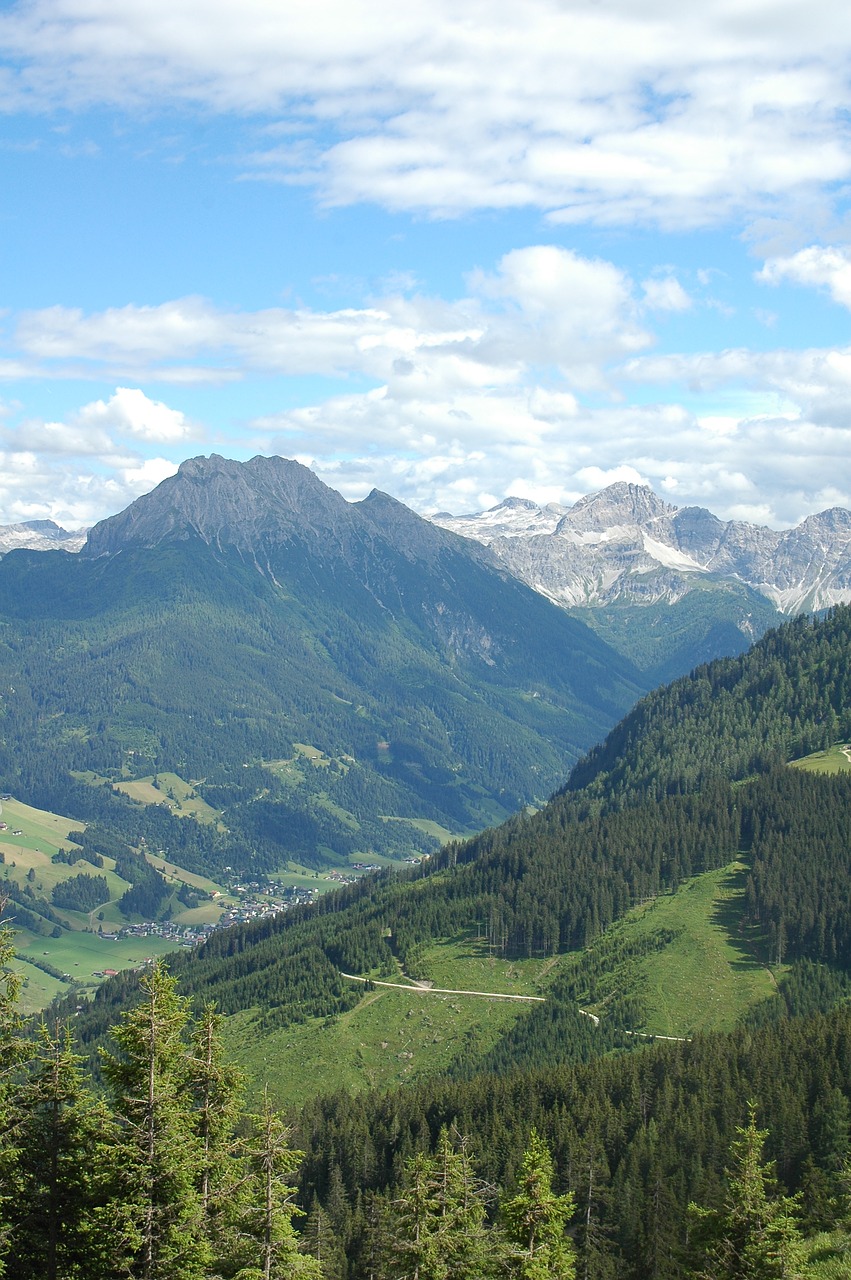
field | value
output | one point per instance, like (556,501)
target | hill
(691,889)
(747,864)
(329,678)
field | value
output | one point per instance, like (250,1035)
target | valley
(431,871)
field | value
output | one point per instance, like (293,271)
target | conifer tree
(265,1244)
(534,1220)
(320,1242)
(217,1092)
(12,1053)
(150,1080)
(436,1229)
(755,1236)
(70,1220)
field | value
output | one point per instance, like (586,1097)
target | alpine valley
(621,1014)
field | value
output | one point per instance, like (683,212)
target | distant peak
(516,504)
(225,503)
(619,503)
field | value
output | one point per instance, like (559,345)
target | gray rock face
(40,535)
(241,505)
(625,544)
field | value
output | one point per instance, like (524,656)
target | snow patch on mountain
(625,543)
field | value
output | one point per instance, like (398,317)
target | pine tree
(70,1219)
(265,1244)
(150,1079)
(534,1220)
(755,1236)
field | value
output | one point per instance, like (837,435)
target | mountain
(40,535)
(619,542)
(338,679)
(683,846)
(668,586)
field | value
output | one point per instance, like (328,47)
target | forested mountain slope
(549,883)
(240,610)
(789,695)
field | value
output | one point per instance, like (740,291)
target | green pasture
(41,831)
(79,955)
(713,970)
(427,826)
(170,789)
(836,759)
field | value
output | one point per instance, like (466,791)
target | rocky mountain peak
(225,504)
(618,504)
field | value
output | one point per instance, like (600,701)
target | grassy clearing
(392,1036)
(711,972)
(465,962)
(426,825)
(836,759)
(389,1038)
(171,789)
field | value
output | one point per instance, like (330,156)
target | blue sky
(456,251)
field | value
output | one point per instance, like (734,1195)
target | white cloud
(542,305)
(665,293)
(522,386)
(130,412)
(41,486)
(818,266)
(682,115)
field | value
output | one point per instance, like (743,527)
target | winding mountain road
(422,989)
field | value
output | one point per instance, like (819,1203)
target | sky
(455,251)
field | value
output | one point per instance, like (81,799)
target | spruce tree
(534,1220)
(71,1223)
(217,1093)
(755,1235)
(436,1229)
(151,1083)
(264,1241)
(12,1054)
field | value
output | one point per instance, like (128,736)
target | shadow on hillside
(729,914)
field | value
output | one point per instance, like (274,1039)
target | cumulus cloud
(521,386)
(129,412)
(41,486)
(665,293)
(819,266)
(615,113)
(542,305)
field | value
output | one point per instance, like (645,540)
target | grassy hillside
(709,972)
(78,954)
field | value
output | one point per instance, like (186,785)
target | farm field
(79,952)
(79,955)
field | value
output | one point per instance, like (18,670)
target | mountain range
(667,587)
(626,543)
(339,678)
